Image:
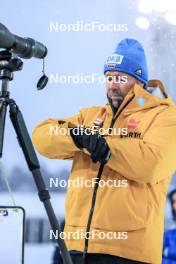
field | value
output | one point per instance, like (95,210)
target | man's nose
(114,86)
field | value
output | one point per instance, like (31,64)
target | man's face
(174,202)
(118,85)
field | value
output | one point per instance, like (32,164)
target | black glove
(94,143)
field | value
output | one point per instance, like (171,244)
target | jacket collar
(143,99)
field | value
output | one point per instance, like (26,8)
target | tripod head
(8,65)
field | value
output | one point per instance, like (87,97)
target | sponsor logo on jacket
(131,125)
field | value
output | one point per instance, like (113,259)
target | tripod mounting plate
(9,64)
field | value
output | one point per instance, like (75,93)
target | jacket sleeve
(51,137)
(150,159)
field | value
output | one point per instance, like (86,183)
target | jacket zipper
(97,184)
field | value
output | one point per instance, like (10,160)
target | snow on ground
(36,253)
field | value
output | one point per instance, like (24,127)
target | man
(169,244)
(117,223)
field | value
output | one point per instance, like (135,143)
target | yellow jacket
(142,161)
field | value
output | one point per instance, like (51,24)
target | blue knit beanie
(128,57)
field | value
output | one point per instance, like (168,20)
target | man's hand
(94,143)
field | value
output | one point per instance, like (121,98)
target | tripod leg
(33,164)
(3,110)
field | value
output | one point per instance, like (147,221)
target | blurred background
(153,23)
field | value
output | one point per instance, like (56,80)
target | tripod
(8,65)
